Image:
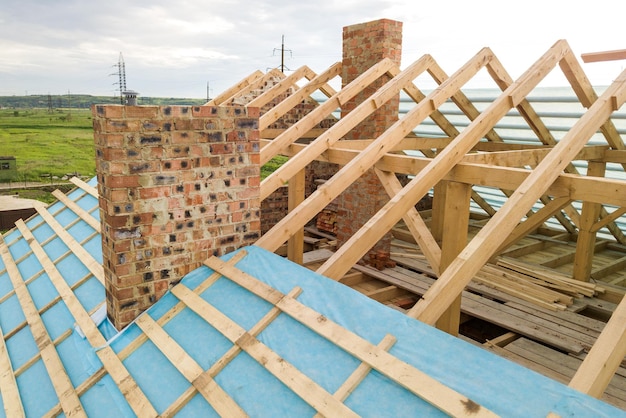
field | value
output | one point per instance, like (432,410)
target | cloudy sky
(173,48)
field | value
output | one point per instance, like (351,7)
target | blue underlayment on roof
(495,383)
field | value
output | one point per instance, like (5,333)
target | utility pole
(282,54)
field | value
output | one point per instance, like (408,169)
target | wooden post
(454,224)
(585,243)
(295,245)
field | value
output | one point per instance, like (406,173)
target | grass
(59,143)
(47,144)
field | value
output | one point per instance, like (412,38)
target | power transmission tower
(121,73)
(282,54)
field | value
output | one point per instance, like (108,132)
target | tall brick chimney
(177,184)
(364,45)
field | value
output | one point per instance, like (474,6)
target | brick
(141,111)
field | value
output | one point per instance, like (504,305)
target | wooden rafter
(367,158)
(236,89)
(453,280)
(374,229)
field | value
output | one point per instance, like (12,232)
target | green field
(58,143)
(48,144)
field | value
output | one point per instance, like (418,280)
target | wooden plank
(494,312)
(82,213)
(419,383)
(617,54)
(219,400)
(61,382)
(84,186)
(10,393)
(206,377)
(605,356)
(385,293)
(120,375)
(94,266)
(482,247)
(298,382)
(361,372)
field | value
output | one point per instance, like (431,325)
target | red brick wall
(364,45)
(177,184)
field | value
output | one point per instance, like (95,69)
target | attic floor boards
(550,341)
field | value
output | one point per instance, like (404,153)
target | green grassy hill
(52,136)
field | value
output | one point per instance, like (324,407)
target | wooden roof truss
(526,174)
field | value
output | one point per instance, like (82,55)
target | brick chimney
(177,184)
(364,45)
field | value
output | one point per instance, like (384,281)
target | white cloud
(50,46)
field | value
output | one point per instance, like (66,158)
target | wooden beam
(366,159)
(382,221)
(617,54)
(294,99)
(595,372)
(348,122)
(216,101)
(414,222)
(219,400)
(10,393)
(322,111)
(585,243)
(295,245)
(419,383)
(113,365)
(360,373)
(61,383)
(281,87)
(83,214)
(441,294)
(453,239)
(85,186)
(298,382)
(249,89)
(94,266)
(600,190)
